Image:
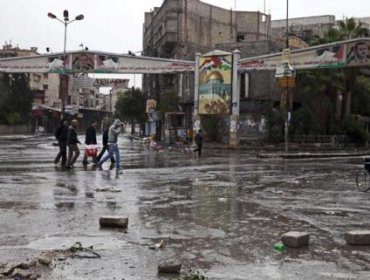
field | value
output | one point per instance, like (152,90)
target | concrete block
(295,239)
(169,267)
(358,237)
(113,221)
(45,259)
(21,274)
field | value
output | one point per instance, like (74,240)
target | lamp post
(286,78)
(64,77)
(286,111)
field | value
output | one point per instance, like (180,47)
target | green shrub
(13,118)
(355,130)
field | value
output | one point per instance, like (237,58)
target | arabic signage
(215,84)
(335,55)
(88,62)
(323,57)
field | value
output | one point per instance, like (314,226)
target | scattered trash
(279,246)
(158,245)
(193,276)
(81,252)
(89,194)
(107,189)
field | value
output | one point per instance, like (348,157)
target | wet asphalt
(220,215)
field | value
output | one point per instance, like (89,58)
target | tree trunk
(132,127)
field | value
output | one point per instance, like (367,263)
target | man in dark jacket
(72,141)
(105,145)
(61,136)
(199,141)
(90,139)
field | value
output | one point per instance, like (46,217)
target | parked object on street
(357,237)
(295,239)
(169,267)
(363,176)
(113,221)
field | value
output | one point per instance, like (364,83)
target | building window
(45,87)
(240,38)
(187,82)
(45,75)
(244,86)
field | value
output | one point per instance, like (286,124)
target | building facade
(180,28)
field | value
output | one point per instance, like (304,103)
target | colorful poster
(358,53)
(83,62)
(215,84)
(326,56)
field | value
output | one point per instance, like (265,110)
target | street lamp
(64,78)
(66,21)
(286,78)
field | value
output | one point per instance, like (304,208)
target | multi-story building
(303,28)
(180,28)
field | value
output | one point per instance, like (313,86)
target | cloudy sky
(116,25)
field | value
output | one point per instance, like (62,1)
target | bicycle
(363,177)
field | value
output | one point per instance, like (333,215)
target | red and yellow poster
(215,84)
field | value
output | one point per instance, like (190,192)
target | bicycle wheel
(363,180)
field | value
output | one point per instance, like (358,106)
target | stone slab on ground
(113,221)
(358,237)
(295,239)
(169,267)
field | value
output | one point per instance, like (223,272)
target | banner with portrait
(358,53)
(94,62)
(215,84)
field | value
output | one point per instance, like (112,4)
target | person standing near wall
(61,135)
(72,141)
(199,142)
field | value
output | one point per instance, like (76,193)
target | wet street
(220,215)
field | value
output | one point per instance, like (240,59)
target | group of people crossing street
(68,141)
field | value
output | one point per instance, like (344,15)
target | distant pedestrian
(199,142)
(72,141)
(61,135)
(90,139)
(114,130)
(105,145)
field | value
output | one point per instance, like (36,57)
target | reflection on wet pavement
(221,214)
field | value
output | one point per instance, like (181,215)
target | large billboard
(94,62)
(358,53)
(215,84)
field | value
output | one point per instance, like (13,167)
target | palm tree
(350,28)
(346,29)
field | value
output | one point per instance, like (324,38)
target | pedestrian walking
(72,141)
(90,139)
(105,145)
(114,130)
(199,143)
(61,135)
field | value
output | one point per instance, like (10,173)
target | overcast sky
(116,25)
